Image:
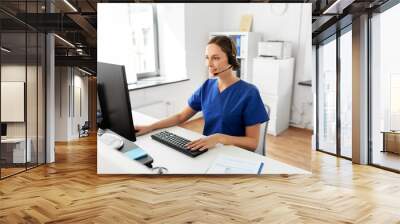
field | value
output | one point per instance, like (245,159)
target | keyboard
(176,142)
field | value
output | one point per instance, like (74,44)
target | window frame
(333,37)
(145,75)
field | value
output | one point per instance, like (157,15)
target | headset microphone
(217,73)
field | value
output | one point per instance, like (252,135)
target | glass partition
(22,78)
(327,96)
(13,108)
(385,89)
(31,99)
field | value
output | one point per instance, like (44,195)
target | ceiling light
(5,50)
(86,72)
(70,5)
(64,40)
(338,6)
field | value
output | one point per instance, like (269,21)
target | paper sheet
(234,165)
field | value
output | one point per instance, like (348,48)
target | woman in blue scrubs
(232,108)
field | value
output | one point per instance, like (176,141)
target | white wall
(80,83)
(171,32)
(61,103)
(66,121)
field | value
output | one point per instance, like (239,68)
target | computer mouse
(112,140)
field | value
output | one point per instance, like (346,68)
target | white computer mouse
(112,140)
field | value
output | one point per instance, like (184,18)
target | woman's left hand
(204,143)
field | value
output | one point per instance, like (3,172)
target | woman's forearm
(242,142)
(168,122)
(176,119)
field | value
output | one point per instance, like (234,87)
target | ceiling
(76,22)
(77,25)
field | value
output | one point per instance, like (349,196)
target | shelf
(229,33)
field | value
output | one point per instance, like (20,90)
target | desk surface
(111,161)
(13,140)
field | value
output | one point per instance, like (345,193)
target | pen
(260,168)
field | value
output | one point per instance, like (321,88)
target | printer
(275,49)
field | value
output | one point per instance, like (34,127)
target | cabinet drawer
(266,75)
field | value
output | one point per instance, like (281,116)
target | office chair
(263,133)
(84,130)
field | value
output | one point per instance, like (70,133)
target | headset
(217,73)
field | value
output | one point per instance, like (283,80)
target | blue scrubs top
(230,111)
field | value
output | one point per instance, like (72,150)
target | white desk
(111,161)
(19,149)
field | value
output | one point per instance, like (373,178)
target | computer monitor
(3,129)
(114,100)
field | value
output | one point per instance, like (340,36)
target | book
(237,42)
(245,23)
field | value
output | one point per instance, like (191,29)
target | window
(394,101)
(327,96)
(143,25)
(128,35)
(346,94)
(385,89)
(335,94)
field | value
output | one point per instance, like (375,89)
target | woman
(232,108)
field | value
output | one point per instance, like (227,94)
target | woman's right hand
(143,129)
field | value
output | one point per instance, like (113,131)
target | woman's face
(216,59)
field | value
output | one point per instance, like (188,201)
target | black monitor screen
(114,99)
(3,129)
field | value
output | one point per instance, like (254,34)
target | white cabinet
(246,45)
(274,80)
